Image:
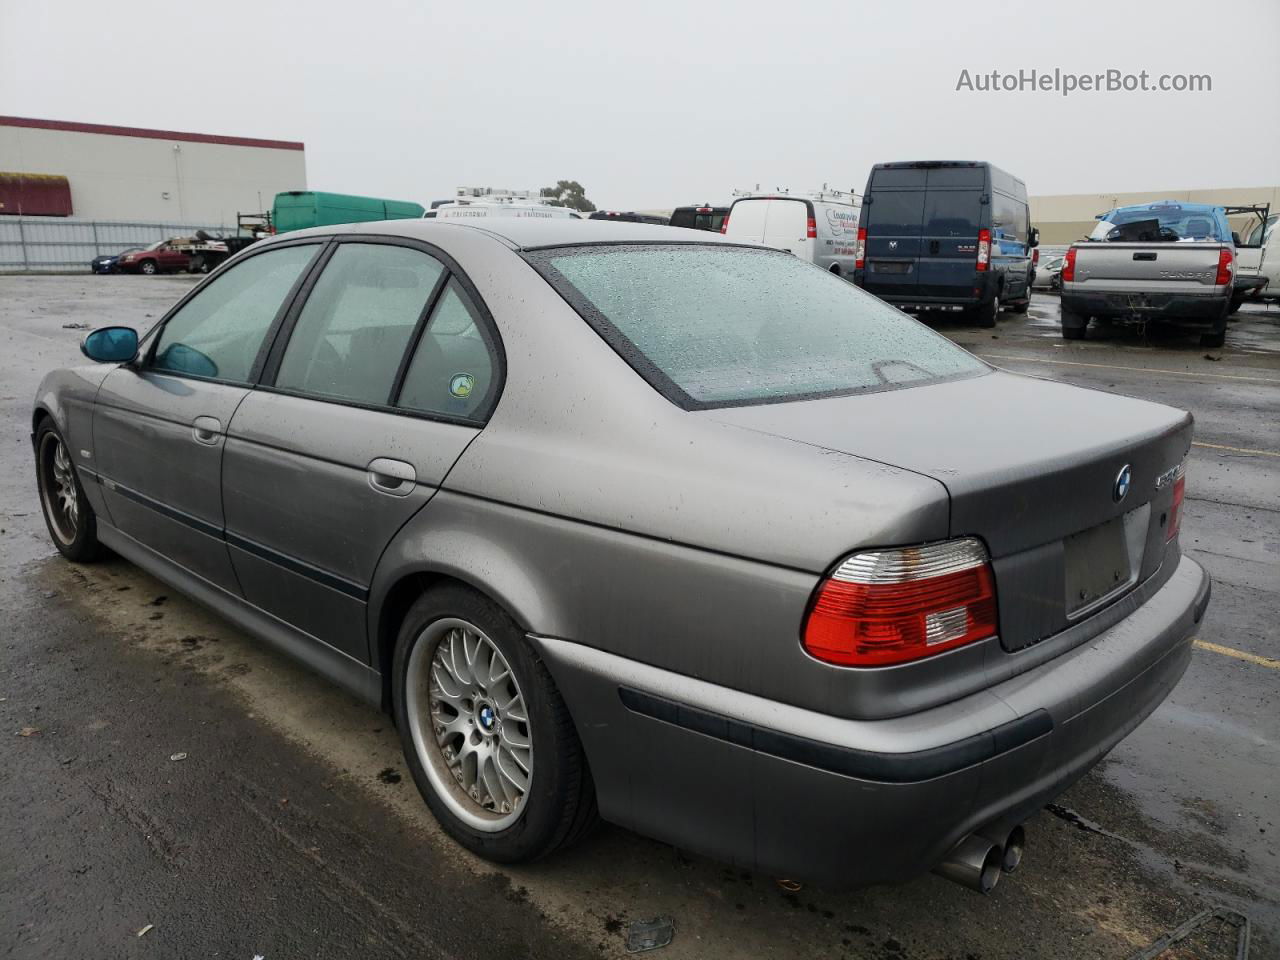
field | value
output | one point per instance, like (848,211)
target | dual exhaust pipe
(979,860)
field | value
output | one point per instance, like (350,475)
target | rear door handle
(206,430)
(392,477)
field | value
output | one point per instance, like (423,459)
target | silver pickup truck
(1168,262)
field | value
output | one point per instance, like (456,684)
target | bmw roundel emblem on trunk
(1121,488)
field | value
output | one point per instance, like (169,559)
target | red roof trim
(112,131)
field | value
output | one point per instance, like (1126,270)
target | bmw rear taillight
(984,249)
(811,229)
(1068,267)
(882,607)
(1175,508)
(1226,266)
(860,254)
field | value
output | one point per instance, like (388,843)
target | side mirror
(111,345)
(1035,237)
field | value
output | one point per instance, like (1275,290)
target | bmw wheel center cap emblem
(1121,488)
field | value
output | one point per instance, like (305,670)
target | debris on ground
(75,326)
(175,757)
(28,731)
(145,930)
(791,886)
(1214,933)
(645,935)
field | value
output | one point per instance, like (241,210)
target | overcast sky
(655,103)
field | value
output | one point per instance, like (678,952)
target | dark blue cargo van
(946,235)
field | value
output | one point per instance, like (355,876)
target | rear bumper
(923,301)
(1206,309)
(787,791)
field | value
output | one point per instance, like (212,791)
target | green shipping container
(299,209)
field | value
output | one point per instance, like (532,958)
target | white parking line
(1116,366)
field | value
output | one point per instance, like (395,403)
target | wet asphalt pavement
(291,829)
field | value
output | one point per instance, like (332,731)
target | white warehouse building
(98,172)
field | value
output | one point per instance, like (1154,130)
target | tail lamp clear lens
(892,606)
(984,249)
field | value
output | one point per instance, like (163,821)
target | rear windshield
(718,325)
(1152,225)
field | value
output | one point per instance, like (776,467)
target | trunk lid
(1031,467)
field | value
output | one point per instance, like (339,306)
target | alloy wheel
(61,500)
(469,724)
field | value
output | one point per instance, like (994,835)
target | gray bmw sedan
(622,521)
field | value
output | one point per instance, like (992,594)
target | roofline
(147,134)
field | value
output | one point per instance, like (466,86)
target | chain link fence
(66,245)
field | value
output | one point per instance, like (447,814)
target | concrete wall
(1064,218)
(133,177)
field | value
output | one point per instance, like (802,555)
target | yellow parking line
(1116,366)
(1238,654)
(1220,446)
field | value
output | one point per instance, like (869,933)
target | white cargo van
(819,227)
(473,210)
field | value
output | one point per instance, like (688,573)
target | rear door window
(895,213)
(453,369)
(218,333)
(352,333)
(952,213)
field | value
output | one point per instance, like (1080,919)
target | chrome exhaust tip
(975,862)
(1012,843)
(1015,845)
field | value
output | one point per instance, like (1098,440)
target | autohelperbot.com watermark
(1066,82)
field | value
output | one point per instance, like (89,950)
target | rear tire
(507,783)
(1213,340)
(72,524)
(1073,325)
(987,313)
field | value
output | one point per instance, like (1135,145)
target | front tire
(149,267)
(72,524)
(486,735)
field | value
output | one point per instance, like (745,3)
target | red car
(160,257)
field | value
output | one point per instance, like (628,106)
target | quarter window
(218,333)
(452,369)
(352,333)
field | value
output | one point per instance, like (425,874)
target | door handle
(392,477)
(206,430)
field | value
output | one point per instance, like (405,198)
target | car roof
(521,233)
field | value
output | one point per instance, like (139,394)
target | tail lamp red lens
(724,224)
(893,606)
(1068,274)
(860,254)
(1226,266)
(1035,257)
(1175,508)
(984,249)
(811,228)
